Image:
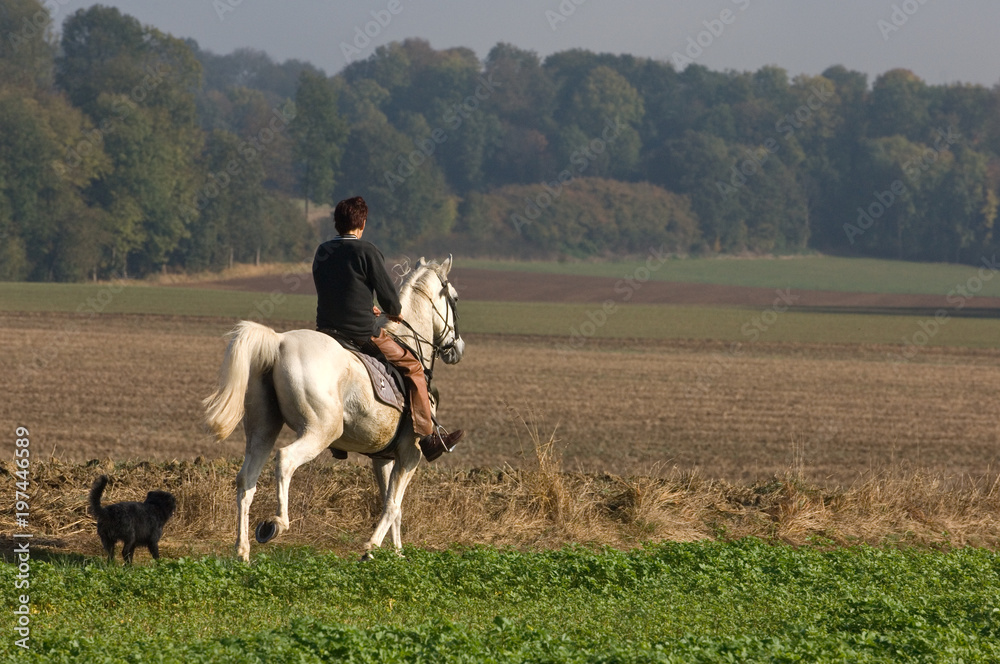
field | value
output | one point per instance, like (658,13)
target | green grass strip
(744,601)
(569,324)
(92,299)
(849,275)
(573,324)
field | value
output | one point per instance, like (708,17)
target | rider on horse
(348,273)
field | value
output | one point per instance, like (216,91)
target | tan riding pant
(413,372)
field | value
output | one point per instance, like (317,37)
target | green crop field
(852,275)
(743,601)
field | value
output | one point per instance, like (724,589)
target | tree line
(124,150)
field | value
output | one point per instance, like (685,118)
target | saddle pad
(384,386)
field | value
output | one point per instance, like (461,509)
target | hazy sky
(941,41)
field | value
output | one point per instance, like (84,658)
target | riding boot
(435,445)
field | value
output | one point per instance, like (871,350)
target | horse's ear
(446,266)
(421,261)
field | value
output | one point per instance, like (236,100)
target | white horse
(305,379)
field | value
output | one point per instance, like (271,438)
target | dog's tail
(96,491)
(253,349)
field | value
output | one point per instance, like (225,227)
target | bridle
(451,313)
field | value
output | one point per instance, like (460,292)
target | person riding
(348,272)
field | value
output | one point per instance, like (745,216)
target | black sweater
(347,273)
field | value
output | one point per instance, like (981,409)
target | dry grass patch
(334,507)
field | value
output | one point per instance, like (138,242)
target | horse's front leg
(382,469)
(405,463)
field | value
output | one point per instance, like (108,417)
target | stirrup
(443,435)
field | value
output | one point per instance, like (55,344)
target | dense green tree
(465,142)
(699,166)
(408,198)
(237,218)
(230,223)
(133,162)
(251,68)
(521,156)
(152,177)
(962,210)
(137,85)
(268,129)
(527,97)
(899,105)
(106,52)
(28,44)
(602,123)
(48,232)
(319,133)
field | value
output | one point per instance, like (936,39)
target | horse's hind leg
(309,445)
(262,423)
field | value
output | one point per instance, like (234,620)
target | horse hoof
(266,531)
(366,556)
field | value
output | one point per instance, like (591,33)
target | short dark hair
(350,214)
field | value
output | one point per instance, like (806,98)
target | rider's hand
(376,310)
(394,319)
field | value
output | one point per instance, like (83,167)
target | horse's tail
(252,350)
(96,491)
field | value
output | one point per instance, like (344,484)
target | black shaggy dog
(130,522)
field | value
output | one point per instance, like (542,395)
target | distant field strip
(853,275)
(574,323)
(91,299)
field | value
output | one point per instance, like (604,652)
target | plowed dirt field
(129,387)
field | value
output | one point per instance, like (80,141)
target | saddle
(387,381)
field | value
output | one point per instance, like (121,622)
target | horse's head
(444,299)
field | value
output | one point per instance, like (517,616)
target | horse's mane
(417,278)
